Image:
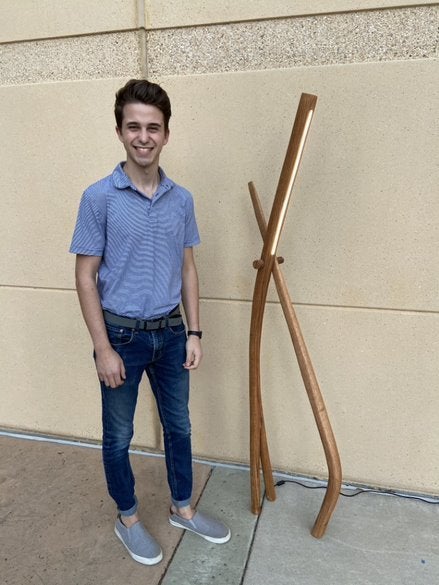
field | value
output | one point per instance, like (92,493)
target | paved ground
(56,528)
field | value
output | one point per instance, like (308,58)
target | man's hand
(110,368)
(194,353)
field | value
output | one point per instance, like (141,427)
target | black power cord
(359,491)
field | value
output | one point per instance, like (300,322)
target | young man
(134,265)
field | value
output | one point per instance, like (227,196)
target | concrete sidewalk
(57,528)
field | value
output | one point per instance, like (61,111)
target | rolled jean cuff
(181,503)
(131,511)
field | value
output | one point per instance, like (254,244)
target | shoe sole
(142,560)
(221,540)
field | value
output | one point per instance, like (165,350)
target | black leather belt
(171,320)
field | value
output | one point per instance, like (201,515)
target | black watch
(197,333)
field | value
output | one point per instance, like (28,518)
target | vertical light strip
(291,183)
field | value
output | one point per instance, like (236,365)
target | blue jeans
(161,354)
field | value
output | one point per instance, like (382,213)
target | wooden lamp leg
(267,265)
(311,386)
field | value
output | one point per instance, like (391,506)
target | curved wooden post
(258,444)
(311,386)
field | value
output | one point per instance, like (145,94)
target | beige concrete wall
(360,238)
(178,13)
(28,19)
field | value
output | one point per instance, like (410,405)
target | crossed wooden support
(269,264)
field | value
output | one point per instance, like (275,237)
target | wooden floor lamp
(269,264)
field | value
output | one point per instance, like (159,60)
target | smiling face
(143,135)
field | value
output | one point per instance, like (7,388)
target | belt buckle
(154,325)
(162,323)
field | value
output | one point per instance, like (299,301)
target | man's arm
(190,297)
(109,364)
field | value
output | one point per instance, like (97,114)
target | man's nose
(144,135)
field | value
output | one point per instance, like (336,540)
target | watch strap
(196,333)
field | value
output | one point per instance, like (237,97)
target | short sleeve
(89,235)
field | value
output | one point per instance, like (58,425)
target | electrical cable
(360,491)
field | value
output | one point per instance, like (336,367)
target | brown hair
(145,92)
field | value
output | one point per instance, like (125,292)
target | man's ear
(118,132)
(167,136)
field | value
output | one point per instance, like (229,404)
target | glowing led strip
(290,185)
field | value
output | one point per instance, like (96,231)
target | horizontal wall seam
(319,40)
(248,301)
(66,37)
(330,306)
(301,14)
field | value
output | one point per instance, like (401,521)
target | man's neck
(146,180)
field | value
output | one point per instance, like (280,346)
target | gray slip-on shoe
(205,526)
(139,543)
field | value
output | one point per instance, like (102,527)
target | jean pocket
(119,335)
(178,329)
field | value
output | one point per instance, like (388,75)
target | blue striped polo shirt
(141,242)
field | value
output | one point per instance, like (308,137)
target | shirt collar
(122,181)
(120,178)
